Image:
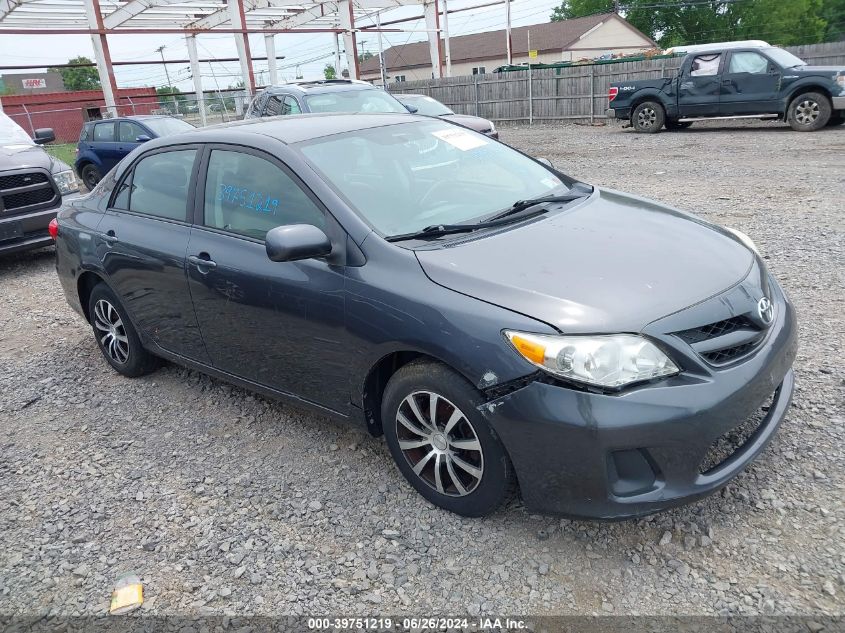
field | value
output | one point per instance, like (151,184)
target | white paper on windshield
(464,141)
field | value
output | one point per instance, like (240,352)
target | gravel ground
(226,503)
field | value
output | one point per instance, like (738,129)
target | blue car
(102,144)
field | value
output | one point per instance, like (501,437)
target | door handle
(110,237)
(727,82)
(202,261)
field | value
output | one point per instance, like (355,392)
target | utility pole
(447,49)
(508,31)
(382,69)
(160,49)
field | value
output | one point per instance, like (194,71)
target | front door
(127,135)
(750,85)
(699,86)
(144,236)
(278,324)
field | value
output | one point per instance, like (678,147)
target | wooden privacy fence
(556,94)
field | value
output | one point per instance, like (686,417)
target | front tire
(90,176)
(116,336)
(809,112)
(648,117)
(441,443)
(677,125)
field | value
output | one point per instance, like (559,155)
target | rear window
(104,132)
(85,134)
(373,100)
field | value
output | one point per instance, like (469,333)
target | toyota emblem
(765,310)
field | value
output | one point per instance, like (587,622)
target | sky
(305,54)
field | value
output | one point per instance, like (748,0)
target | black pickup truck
(744,80)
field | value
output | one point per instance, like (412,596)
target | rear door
(750,84)
(279,324)
(105,145)
(144,236)
(699,85)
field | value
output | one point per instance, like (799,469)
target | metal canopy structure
(102,19)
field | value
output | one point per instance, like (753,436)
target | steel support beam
(431,11)
(270,49)
(346,16)
(196,75)
(7,6)
(131,9)
(236,16)
(102,55)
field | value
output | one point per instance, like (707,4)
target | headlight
(742,237)
(607,361)
(66,182)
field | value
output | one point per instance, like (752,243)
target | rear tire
(116,336)
(91,176)
(451,456)
(809,112)
(677,125)
(648,117)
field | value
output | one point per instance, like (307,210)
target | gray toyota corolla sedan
(502,324)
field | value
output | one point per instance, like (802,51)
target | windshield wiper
(576,193)
(515,213)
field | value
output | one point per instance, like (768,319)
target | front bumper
(618,456)
(31,228)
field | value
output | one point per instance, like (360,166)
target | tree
(80,78)
(329,72)
(362,57)
(675,22)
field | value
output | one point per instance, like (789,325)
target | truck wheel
(648,117)
(677,125)
(90,176)
(809,112)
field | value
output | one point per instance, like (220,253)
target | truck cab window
(705,65)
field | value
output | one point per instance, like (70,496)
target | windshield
(165,126)
(783,58)
(427,106)
(11,133)
(403,178)
(369,100)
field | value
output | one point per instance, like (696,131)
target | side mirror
(294,242)
(412,109)
(44,135)
(546,162)
(142,138)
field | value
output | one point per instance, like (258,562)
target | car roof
(132,117)
(292,128)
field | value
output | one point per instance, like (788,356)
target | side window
(705,65)
(274,106)
(249,195)
(129,131)
(85,133)
(160,184)
(121,199)
(104,132)
(753,63)
(291,106)
(254,109)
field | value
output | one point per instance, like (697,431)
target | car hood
(22,156)
(818,70)
(473,122)
(613,263)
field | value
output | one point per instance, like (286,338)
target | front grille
(22,180)
(728,354)
(728,444)
(712,330)
(27,198)
(724,342)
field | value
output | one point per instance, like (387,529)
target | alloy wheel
(439,443)
(112,334)
(646,117)
(807,112)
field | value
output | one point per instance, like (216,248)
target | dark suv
(32,184)
(328,95)
(103,144)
